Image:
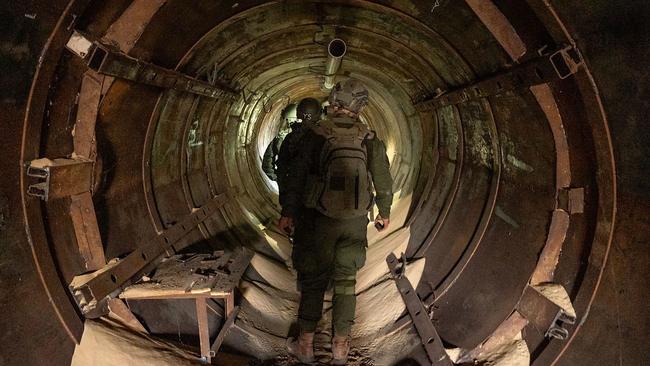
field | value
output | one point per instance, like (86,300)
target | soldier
(271,155)
(328,194)
(308,112)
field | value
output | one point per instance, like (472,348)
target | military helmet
(351,95)
(309,110)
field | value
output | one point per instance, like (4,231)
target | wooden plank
(128,28)
(86,230)
(204,332)
(173,295)
(230,321)
(83,138)
(230,303)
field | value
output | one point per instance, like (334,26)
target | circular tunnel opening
(482,183)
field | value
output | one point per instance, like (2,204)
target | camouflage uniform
(288,151)
(328,249)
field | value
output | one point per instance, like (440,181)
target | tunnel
(512,142)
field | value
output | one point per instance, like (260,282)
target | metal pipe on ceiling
(336,49)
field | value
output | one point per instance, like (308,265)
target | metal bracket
(556,330)
(92,289)
(571,200)
(106,60)
(400,268)
(59,177)
(566,61)
(80,45)
(418,312)
(543,314)
(547,67)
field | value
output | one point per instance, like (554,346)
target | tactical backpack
(342,189)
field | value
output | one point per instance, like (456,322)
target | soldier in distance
(340,171)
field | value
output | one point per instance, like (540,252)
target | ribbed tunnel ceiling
(477,183)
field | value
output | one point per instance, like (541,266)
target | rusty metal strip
(108,61)
(86,230)
(499,26)
(128,28)
(505,332)
(419,314)
(32,210)
(83,136)
(550,255)
(91,289)
(606,181)
(557,65)
(546,100)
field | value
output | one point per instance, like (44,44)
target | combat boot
(302,347)
(340,350)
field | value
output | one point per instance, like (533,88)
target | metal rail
(419,314)
(555,66)
(106,60)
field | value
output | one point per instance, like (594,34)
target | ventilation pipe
(335,52)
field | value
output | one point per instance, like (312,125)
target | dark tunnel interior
(516,150)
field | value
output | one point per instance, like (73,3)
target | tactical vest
(342,188)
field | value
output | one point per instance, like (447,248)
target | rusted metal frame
(419,314)
(451,195)
(128,28)
(184,155)
(559,226)
(550,255)
(496,22)
(85,145)
(571,200)
(544,315)
(89,292)
(108,61)
(31,207)
(82,209)
(557,65)
(488,211)
(86,230)
(59,178)
(147,179)
(605,177)
(546,100)
(606,180)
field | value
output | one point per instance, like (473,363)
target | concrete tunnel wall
(462,171)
